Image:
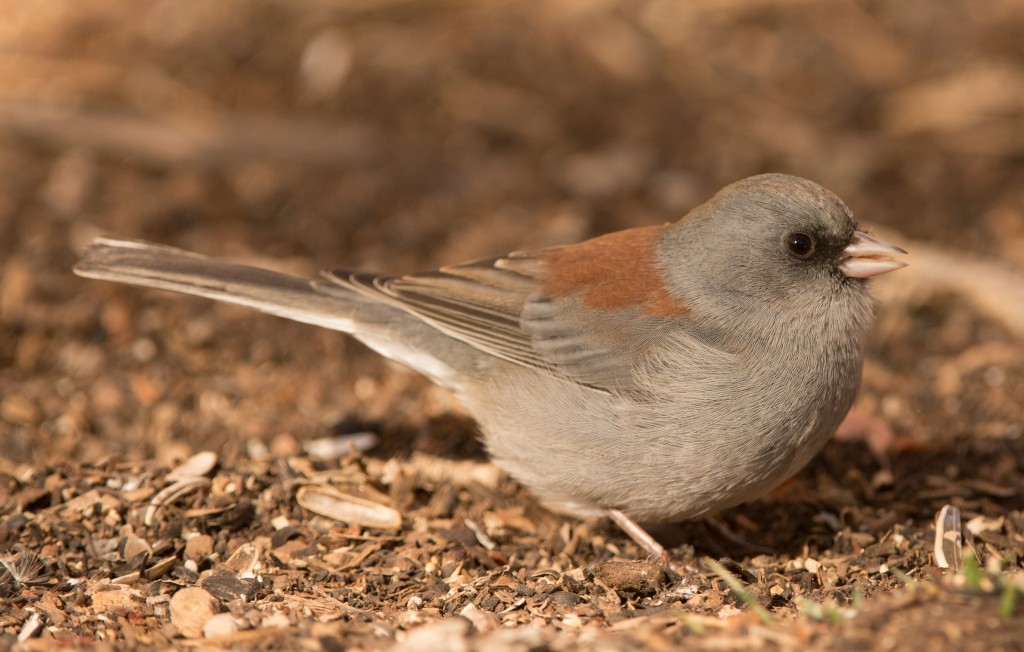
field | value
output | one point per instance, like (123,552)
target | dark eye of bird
(800,245)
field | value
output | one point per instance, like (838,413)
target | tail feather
(166,268)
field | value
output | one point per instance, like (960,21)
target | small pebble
(220,626)
(191,608)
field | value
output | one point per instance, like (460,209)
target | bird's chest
(799,390)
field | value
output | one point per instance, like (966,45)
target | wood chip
(134,546)
(642,577)
(199,547)
(434,471)
(980,524)
(244,560)
(30,628)
(160,568)
(114,599)
(481,536)
(949,538)
(172,493)
(198,465)
(345,508)
(227,588)
(333,448)
(483,621)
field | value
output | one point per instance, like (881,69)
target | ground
(398,135)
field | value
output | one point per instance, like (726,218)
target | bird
(655,374)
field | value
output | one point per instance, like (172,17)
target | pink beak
(868,256)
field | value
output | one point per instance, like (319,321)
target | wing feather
(480,302)
(587,312)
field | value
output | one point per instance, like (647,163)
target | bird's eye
(800,245)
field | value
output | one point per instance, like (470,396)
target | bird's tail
(166,268)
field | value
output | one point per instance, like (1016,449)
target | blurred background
(398,135)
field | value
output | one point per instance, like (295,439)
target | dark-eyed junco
(654,374)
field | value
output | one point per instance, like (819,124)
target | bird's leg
(639,535)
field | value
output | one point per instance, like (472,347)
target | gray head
(774,239)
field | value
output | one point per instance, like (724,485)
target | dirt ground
(398,135)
